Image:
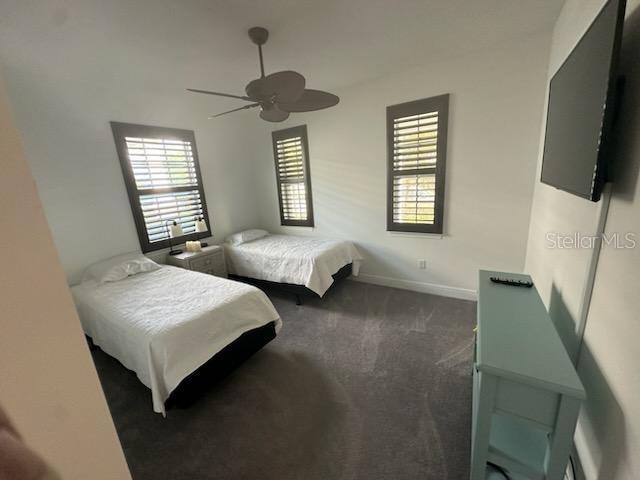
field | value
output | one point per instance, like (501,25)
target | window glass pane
(160,209)
(294,201)
(292,171)
(416,161)
(414,199)
(415,147)
(159,163)
(161,172)
(415,141)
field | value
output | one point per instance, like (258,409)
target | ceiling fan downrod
(259,36)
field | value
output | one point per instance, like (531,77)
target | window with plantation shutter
(417,147)
(162,176)
(291,154)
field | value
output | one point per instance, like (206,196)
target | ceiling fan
(277,94)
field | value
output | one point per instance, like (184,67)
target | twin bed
(175,328)
(299,265)
(165,324)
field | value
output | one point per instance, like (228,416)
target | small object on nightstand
(209,260)
(174,231)
(193,246)
(201,227)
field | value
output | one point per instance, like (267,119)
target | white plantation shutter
(417,150)
(160,163)
(415,154)
(414,199)
(163,180)
(292,173)
(291,176)
(160,208)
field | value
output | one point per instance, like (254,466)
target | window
(162,176)
(291,154)
(417,149)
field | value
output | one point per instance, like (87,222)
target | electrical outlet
(422,264)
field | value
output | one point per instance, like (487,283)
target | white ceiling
(203,44)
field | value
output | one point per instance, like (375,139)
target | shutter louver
(292,176)
(414,199)
(417,135)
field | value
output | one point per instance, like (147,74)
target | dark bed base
(299,291)
(220,365)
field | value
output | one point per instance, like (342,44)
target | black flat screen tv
(582,96)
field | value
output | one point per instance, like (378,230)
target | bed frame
(299,291)
(220,366)
(217,367)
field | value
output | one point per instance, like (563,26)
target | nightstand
(210,260)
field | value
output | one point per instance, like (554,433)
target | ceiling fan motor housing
(259,35)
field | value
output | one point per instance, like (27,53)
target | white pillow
(246,236)
(119,267)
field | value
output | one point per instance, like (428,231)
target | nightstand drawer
(211,264)
(219,265)
(204,264)
(210,260)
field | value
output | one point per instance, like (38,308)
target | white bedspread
(292,259)
(165,324)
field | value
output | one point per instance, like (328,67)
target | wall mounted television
(582,97)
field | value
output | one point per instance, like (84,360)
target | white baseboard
(423,287)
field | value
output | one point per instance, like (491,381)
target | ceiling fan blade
(273,114)
(222,94)
(309,101)
(252,105)
(286,86)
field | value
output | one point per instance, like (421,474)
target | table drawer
(535,404)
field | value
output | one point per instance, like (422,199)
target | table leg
(482,425)
(561,440)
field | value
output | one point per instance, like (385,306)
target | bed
(166,324)
(296,264)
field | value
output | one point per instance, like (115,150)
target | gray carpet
(369,383)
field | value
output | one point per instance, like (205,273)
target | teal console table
(526,393)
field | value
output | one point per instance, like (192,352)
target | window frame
(120,132)
(440,104)
(284,134)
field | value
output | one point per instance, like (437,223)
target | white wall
(69,143)
(608,435)
(72,69)
(69,71)
(561,273)
(495,116)
(50,389)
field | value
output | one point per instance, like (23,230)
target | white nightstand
(209,260)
